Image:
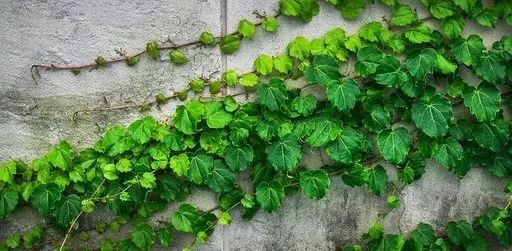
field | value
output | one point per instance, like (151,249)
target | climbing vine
(396,106)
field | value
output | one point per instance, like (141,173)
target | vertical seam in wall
(223,27)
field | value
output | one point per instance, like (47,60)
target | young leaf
(61,156)
(314,184)
(270,195)
(403,15)
(178,57)
(229,44)
(394,144)
(148,180)
(141,130)
(207,38)
(216,116)
(180,164)
(249,80)
(351,9)
(187,116)
(299,48)
(264,64)
(269,24)
(419,34)
(152,50)
(283,63)
(246,28)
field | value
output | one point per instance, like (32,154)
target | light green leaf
(207,38)
(442,9)
(374,32)
(180,164)
(343,94)
(314,184)
(178,57)
(238,158)
(246,28)
(141,130)
(284,155)
(148,180)
(273,94)
(283,63)
(466,5)
(61,156)
(124,165)
(419,34)
(305,9)
(269,24)
(323,70)
(351,9)
(270,195)
(445,66)
(215,114)
(7,171)
(432,114)
(299,48)
(264,64)
(394,144)
(229,44)
(109,171)
(249,80)
(403,15)
(152,50)
(483,101)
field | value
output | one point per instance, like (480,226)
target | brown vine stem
(34,69)
(73,223)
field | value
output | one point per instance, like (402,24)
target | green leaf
(423,234)
(452,26)
(490,68)
(377,119)
(377,179)
(351,9)
(152,50)
(229,44)
(45,197)
(432,114)
(323,70)
(143,236)
(442,9)
(445,66)
(269,24)
(492,135)
(459,232)
(305,9)
(355,176)
(148,180)
(394,144)
(325,131)
(403,15)
(109,171)
(483,101)
(246,28)
(61,156)
(207,38)
(419,34)
(388,72)
(299,48)
(449,153)
(187,116)
(393,201)
(345,147)
(178,57)
(466,5)
(264,64)
(165,235)
(249,80)
(141,130)
(305,105)
(486,17)
(368,59)
(388,242)
(13,241)
(180,164)
(230,77)
(185,217)
(200,166)
(216,116)
(124,165)
(314,184)
(238,158)
(8,202)
(284,155)
(221,179)
(343,94)
(270,195)
(34,236)
(468,51)
(421,63)
(7,171)
(273,94)
(283,63)
(67,210)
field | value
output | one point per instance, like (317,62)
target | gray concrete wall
(35,117)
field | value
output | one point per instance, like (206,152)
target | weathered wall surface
(34,117)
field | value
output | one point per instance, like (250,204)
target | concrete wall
(33,117)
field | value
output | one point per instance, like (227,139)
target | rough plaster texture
(35,117)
